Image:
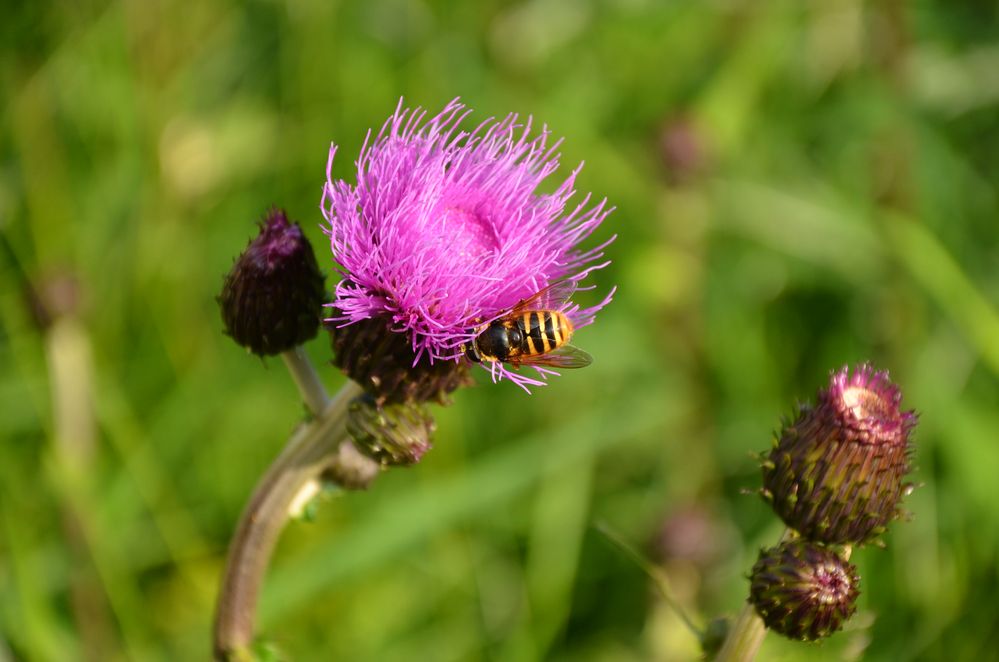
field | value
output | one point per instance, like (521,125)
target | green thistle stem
(309,451)
(745,637)
(347,466)
(306,379)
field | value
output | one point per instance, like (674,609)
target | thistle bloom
(837,472)
(445,230)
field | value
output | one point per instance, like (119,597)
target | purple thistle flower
(445,230)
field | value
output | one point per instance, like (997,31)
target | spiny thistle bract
(802,590)
(444,231)
(382,363)
(272,298)
(836,473)
(396,434)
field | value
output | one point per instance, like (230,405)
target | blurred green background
(798,186)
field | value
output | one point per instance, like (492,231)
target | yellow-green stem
(745,637)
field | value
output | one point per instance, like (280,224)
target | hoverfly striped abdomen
(543,331)
(533,332)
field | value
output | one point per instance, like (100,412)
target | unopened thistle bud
(392,435)
(802,590)
(836,474)
(273,296)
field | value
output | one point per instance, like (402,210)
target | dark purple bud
(273,295)
(392,435)
(802,590)
(836,474)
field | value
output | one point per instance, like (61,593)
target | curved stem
(347,467)
(307,453)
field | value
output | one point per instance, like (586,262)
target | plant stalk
(308,452)
(745,638)
(306,379)
(347,467)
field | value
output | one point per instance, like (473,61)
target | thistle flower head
(802,590)
(272,297)
(445,230)
(836,474)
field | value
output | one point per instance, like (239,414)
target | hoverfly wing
(566,356)
(552,297)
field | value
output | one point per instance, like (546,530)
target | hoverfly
(534,332)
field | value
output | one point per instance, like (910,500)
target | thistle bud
(273,295)
(836,473)
(392,435)
(803,591)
